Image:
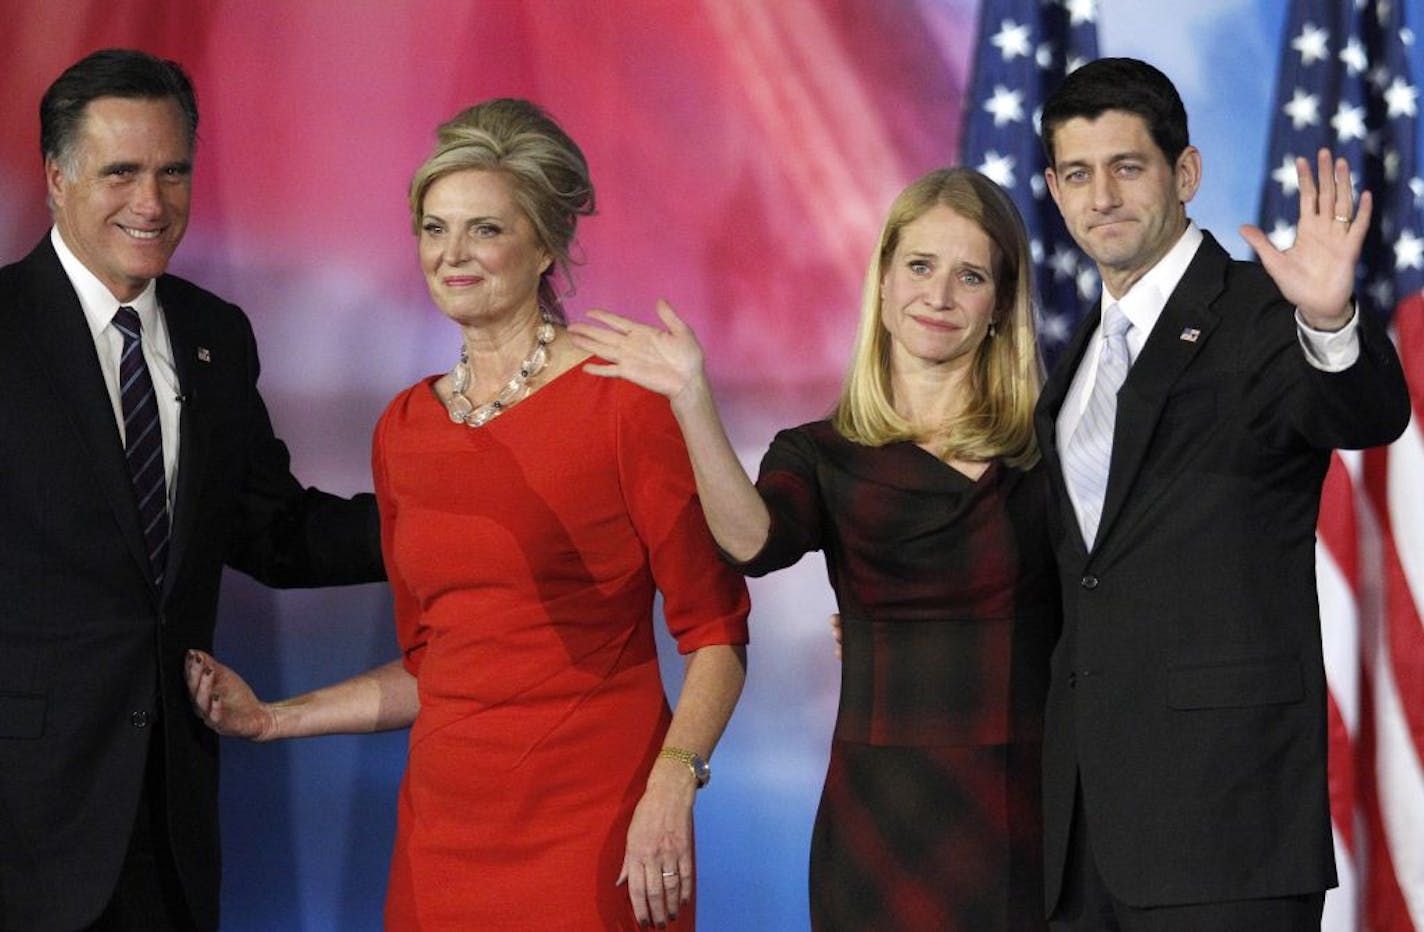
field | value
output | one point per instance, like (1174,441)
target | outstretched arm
(380,699)
(669,362)
(1317,272)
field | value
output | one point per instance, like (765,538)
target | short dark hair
(110,73)
(1119,84)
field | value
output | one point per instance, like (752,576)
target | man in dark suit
(1184,781)
(138,459)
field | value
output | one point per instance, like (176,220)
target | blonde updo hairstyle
(996,420)
(549,172)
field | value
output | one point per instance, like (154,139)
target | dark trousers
(1086,904)
(149,896)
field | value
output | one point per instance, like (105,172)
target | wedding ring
(1340,219)
(667,874)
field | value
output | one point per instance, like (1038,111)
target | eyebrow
(1132,155)
(109,168)
(958,263)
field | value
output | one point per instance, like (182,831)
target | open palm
(667,361)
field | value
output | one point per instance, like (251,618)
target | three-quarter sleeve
(704,601)
(788,484)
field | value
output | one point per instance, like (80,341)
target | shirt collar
(98,302)
(1145,300)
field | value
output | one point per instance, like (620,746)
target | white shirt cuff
(1330,350)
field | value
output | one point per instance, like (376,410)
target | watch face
(701,771)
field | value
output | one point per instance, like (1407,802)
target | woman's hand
(658,865)
(668,362)
(225,702)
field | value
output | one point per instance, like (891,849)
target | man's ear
(55,181)
(1188,172)
(1052,179)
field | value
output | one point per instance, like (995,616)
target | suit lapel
(1182,331)
(64,349)
(185,340)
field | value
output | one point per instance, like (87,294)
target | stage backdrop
(744,152)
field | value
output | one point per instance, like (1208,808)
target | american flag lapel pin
(1190,334)
(205,356)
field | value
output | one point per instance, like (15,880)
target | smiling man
(138,460)
(1187,431)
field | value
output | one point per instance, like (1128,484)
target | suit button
(138,719)
(1089,582)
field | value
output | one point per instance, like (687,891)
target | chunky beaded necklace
(463,411)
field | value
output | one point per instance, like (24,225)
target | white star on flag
(1408,251)
(1011,40)
(1081,12)
(1005,105)
(1303,109)
(1064,262)
(1312,44)
(1286,176)
(1381,292)
(1401,99)
(998,169)
(1353,55)
(1087,282)
(1348,122)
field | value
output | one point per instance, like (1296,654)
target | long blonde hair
(996,421)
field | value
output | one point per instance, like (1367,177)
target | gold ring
(1340,219)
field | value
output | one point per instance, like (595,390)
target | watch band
(701,773)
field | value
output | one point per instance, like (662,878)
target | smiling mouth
(142,235)
(461,282)
(936,324)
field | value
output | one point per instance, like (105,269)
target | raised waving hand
(668,361)
(1317,272)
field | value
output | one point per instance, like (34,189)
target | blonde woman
(529,512)
(922,491)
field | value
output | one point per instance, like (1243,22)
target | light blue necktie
(1089,451)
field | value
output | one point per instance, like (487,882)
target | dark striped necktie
(143,442)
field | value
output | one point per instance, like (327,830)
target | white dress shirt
(1143,304)
(99,306)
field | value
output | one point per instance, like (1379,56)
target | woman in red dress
(923,492)
(529,513)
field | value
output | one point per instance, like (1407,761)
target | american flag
(1025,49)
(1345,83)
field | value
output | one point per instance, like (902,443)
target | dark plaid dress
(929,818)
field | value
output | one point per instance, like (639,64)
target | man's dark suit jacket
(1188,692)
(91,654)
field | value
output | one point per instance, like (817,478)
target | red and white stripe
(1370,570)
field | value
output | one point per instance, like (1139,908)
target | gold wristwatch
(700,771)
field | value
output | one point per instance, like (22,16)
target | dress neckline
(437,404)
